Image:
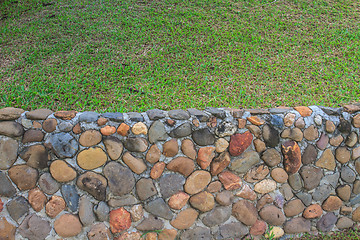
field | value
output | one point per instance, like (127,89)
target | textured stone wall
(212,174)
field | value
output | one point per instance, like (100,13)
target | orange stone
(304,111)
(220,163)
(185,219)
(1,205)
(182,165)
(168,234)
(37,199)
(256,120)
(178,200)
(67,225)
(332,203)
(54,206)
(239,143)
(313,211)
(119,220)
(157,170)
(77,129)
(7,230)
(123,129)
(205,156)
(102,121)
(292,156)
(247,193)
(230,180)
(241,123)
(65,115)
(108,130)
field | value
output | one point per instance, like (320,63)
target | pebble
(355,153)
(245,212)
(116,117)
(188,148)
(214,187)
(17,208)
(10,113)
(217,216)
(170,148)
(182,165)
(286,191)
(297,225)
(329,126)
(344,126)
(304,111)
(90,138)
(336,140)
(86,214)
(155,114)
(34,227)
(8,152)
(246,193)
(205,156)
(172,183)
(54,206)
(135,116)
(356,215)
(239,143)
(258,228)
(89,117)
(344,192)
(157,132)
(271,157)
(32,136)
(265,186)
(305,197)
(168,234)
(311,133)
(91,158)
(313,211)
(275,233)
(241,123)
(326,222)
(344,223)
(26,123)
(225,198)
(300,123)
(179,114)
(123,129)
(332,203)
(295,181)
(197,181)
(63,144)
(219,113)
(311,176)
(23,176)
(157,170)
(178,200)
(101,211)
(47,184)
(321,192)
(202,201)
(93,183)
(65,127)
(293,208)
(70,196)
(342,155)
(67,225)
(347,174)
(259,145)
(7,229)
(279,175)
(351,140)
(159,208)
(120,179)
(327,160)
(220,163)
(185,219)
(114,147)
(289,119)
(37,199)
(230,180)
(137,165)
(11,129)
(356,121)
(136,144)
(99,231)
(277,121)
(203,137)
(49,125)
(323,141)
(145,188)
(119,220)
(256,174)
(225,129)
(182,131)
(108,130)
(61,171)
(234,230)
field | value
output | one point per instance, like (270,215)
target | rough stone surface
(265,186)
(157,170)
(220,163)
(272,215)
(136,144)
(178,200)
(86,214)
(292,156)
(279,175)
(293,208)
(99,231)
(11,129)
(54,206)
(23,176)
(197,181)
(71,197)
(245,162)
(17,208)
(239,143)
(182,165)
(185,219)
(170,184)
(93,183)
(225,198)
(271,157)
(203,137)
(230,180)
(90,138)
(205,156)
(37,199)
(256,174)
(311,176)
(8,152)
(63,144)
(182,131)
(202,201)
(234,230)
(245,212)
(159,208)
(170,148)
(120,179)
(145,188)
(327,160)
(10,113)
(326,222)
(137,165)
(297,225)
(34,227)
(271,136)
(188,148)
(48,184)
(217,216)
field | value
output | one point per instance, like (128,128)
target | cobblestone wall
(212,174)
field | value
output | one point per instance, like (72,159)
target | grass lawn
(133,55)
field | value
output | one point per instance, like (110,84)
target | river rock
(54,206)
(137,165)
(90,138)
(293,133)
(230,180)
(49,125)
(63,144)
(342,155)
(34,227)
(292,156)
(309,155)
(327,160)
(150,223)
(17,208)
(217,216)
(313,211)
(197,181)
(293,208)
(23,176)
(225,198)
(297,225)
(159,208)
(220,163)
(145,188)
(271,157)
(245,212)
(203,137)
(170,184)
(185,219)
(114,147)
(48,184)
(225,129)
(8,152)
(182,165)
(70,196)
(347,174)
(321,192)
(202,201)
(326,222)
(136,144)
(10,113)
(99,231)
(120,179)
(256,174)
(86,214)
(67,225)
(234,230)
(245,162)
(344,192)
(188,148)
(182,131)
(61,171)
(178,200)
(311,133)
(271,136)
(205,156)
(37,199)
(332,203)
(157,170)
(93,183)
(157,132)
(279,175)
(311,176)
(272,215)
(11,129)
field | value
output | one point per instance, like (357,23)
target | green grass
(132,55)
(348,234)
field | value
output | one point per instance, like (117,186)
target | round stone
(114,147)
(34,227)
(108,130)
(293,208)
(225,198)
(275,233)
(271,157)
(265,186)
(279,175)
(67,225)
(311,176)
(342,154)
(311,133)
(54,206)
(239,143)
(170,148)
(61,171)
(214,187)
(32,135)
(8,152)
(245,212)
(90,138)
(65,115)
(86,214)
(136,144)
(120,220)
(10,113)
(289,119)
(272,215)
(205,156)
(91,158)
(11,129)
(188,148)
(203,137)
(202,201)
(170,184)
(120,179)
(63,144)
(137,165)
(153,155)
(145,188)
(185,219)
(36,156)
(245,162)
(221,145)
(37,199)
(123,129)
(139,128)
(297,225)
(332,203)
(23,176)
(258,228)
(313,211)
(256,174)
(197,181)
(157,170)
(344,192)
(217,216)
(7,229)
(48,184)
(329,126)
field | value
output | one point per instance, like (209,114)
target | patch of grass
(134,55)
(349,234)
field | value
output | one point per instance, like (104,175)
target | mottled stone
(145,188)
(91,158)
(255,130)
(311,133)
(70,196)
(139,128)
(182,165)
(86,214)
(93,183)
(54,206)
(234,230)
(256,174)
(99,231)
(327,160)
(311,176)
(331,179)
(150,223)
(214,187)
(90,138)
(136,144)
(179,114)
(205,156)
(272,215)
(178,200)
(344,223)
(241,123)
(49,125)
(344,192)
(293,208)
(32,135)
(277,121)
(157,132)
(224,129)
(220,163)
(300,123)
(329,126)
(119,220)
(355,153)
(356,215)
(61,171)
(292,156)
(36,156)
(289,119)
(7,230)
(157,170)
(292,133)
(259,145)
(265,186)
(23,176)
(344,126)
(182,131)
(265,199)
(170,148)
(347,174)
(344,210)
(137,165)
(321,192)
(246,193)
(305,197)
(245,212)
(123,129)
(17,208)
(10,113)
(120,179)
(217,216)
(336,140)
(230,180)
(159,208)
(47,184)
(65,126)
(225,198)
(34,228)
(202,201)
(297,225)
(245,162)
(313,211)
(101,211)
(323,141)
(304,111)
(188,148)
(279,175)
(197,181)
(65,115)
(185,219)
(295,181)
(239,143)
(37,199)
(326,222)
(271,157)
(356,121)
(77,129)
(8,152)
(342,154)
(155,114)
(172,183)
(11,129)
(63,144)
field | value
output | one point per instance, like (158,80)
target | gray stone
(171,184)
(309,155)
(179,114)
(304,197)
(70,196)
(65,127)
(150,223)
(217,216)
(120,179)
(8,152)
(127,200)
(116,117)
(34,227)
(157,132)
(321,192)
(219,113)
(331,111)
(245,162)
(6,189)
(11,129)
(271,136)
(286,191)
(135,116)
(344,222)
(297,225)
(311,176)
(203,137)
(326,222)
(331,179)
(344,126)
(277,121)
(47,184)
(158,207)
(38,114)
(279,201)
(225,198)
(89,117)
(17,208)
(225,129)
(202,116)
(63,144)
(279,110)
(145,188)
(355,200)
(182,131)
(114,147)
(323,141)
(234,230)
(196,233)
(36,156)
(347,174)
(86,214)
(136,144)
(155,114)
(102,211)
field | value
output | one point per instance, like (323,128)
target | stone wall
(212,174)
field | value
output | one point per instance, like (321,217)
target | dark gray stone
(63,144)
(198,233)
(331,179)
(331,111)
(344,126)
(136,144)
(145,188)
(202,116)
(217,216)
(277,121)
(127,200)
(234,230)
(271,136)
(6,188)
(89,117)
(47,184)
(70,196)
(102,211)
(158,207)
(171,184)
(279,110)
(155,114)
(203,137)
(116,117)
(225,129)
(182,131)
(17,208)
(135,116)
(179,114)
(11,129)
(34,227)
(347,174)
(304,197)
(157,132)
(219,113)
(150,223)
(326,222)
(8,152)
(321,192)
(309,155)
(120,179)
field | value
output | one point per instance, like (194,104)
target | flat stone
(356,187)
(347,174)
(102,211)
(305,197)
(245,162)
(256,120)
(27,123)
(150,223)
(54,206)
(11,129)
(323,141)
(182,165)
(331,179)
(116,117)
(265,186)
(239,143)
(289,119)
(86,214)
(202,201)
(344,223)
(256,174)
(234,230)
(159,208)
(351,139)
(185,219)
(327,160)
(89,117)
(179,114)
(321,192)
(318,120)
(304,111)
(271,136)
(153,155)
(182,131)
(356,121)
(342,155)
(91,158)
(344,192)
(168,234)
(217,216)
(326,222)
(272,215)
(336,140)
(10,113)
(37,199)
(197,181)
(297,225)
(170,148)
(331,111)
(67,225)
(114,147)
(48,184)
(344,126)
(293,134)
(90,138)
(8,152)
(258,228)
(203,137)
(99,231)
(292,156)
(145,188)
(127,200)
(120,179)
(245,212)
(225,129)
(102,121)
(17,208)
(34,228)
(135,116)
(205,156)
(155,114)
(178,200)
(311,176)
(225,198)
(170,184)
(93,183)
(271,157)
(188,148)
(313,211)
(157,170)
(230,180)
(63,144)
(344,210)
(255,130)
(136,144)
(286,191)
(279,175)
(70,196)
(61,171)
(356,215)
(65,115)
(36,156)
(123,129)
(293,208)
(219,113)
(137,165)
(352,108)
(246,193)
(49,125)
(23,176)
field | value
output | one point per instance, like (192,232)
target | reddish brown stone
(170,148)
(33,136)
(108,130)
(119,220)
(153,155)
(292,156)
(23,176)
(197,181)
(123,129)
(168,234)
(220,163)
(212,122)
(77,129)
(129,236)
(196,122)
(258,228)
(170,122)
(205,156)
(313,211)
(332,203)
(7,230)
(67,225)
(256,120)
(351,108)
(37,199)
(188,148)
(157,170)
(239,143)
(256,174)
(36,125)
(185,219)
(245,212)
(230,180)
(102,121)
(65,115)
(182,165)
(178,200)
(241,123)
(54,206)
(304,111)
(49,125)
(247,193)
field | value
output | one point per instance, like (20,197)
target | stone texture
(116,117)
(230,180)
(157,132)
(168,234)
(71,197)
(219,113)
(11,129)
(61,171)
(150,223)
(329,126)
(137,165)
(153,155)
(217,216)
(221,145)
(311,133)
(272,215)
(258,228)
(271,136)
(172,183)
(155,114)
(332,203)
(86,214)
(297,225)
(185,219)
(123,129)
(90,138)
(54,206)
(321,192)
(179,114)
(32,135)
(271,157)
(311,176)
(279,175)
(10,113)
(225,198)
(145,188)
(344,192)
(197,181)
(139,128)
(102,211)
(344,223)
(286,191)
(293,208)
(256,174)
(63,144)
(326,222)
(351,139)
(159,208)
(119,220)
(47,184)
(245,212)
(305,197)
(17,208)
(23,176)
(245,162)
(293,133)
(137,212)
(7,230)
(49,125)
(181,131)
(93,183)
(170,148)
(67,225)
(8,152)
(259,145)
(323,141)
(203,137)
(304,111)
(34,228)
(295,181)
(114,147)
(188,148)
(234,230)
(289,119)
(220,163)
(91,158)
(178,200)
(205,156)
(347,174)
(99,231)
(202,201)
(342,155)
(214,187)
(120,179)
(356,121)
(327,160)
(182,165)
(225,129)
(65,115)
(292,156)
(344,126)
(157,170)
(300,123)
(136,144)
(313,211)
(239,143)
(247,193)
(37,199)
(355,153)
(265,186)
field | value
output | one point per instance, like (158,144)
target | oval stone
(67,225)
(93,183)
(120,179)
(239,143)
(90,138)
(197,181)
(8,152)
(265,186)
(292,156)
(61,171)
(23,176)
(185,219)
(91,158)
